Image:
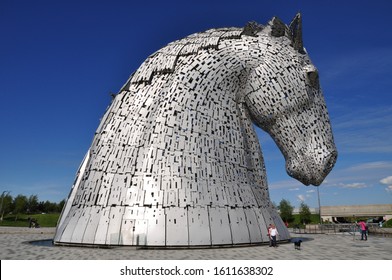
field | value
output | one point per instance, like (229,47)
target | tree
(41,207)
(304,213)
(60,206)
(50,207)
(286,211)
(20,205)
(6,205)
(32,204)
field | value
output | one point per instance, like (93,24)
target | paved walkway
(15,245)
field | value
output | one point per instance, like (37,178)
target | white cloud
(355,176)
(310,191)
(353,185)
(371,166)
(285,184)
(294,189)
(301,197)
(386,181)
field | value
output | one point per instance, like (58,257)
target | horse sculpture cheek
(312,155)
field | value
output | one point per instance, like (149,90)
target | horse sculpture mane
(175,160)
(164,60)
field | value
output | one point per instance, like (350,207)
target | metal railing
(350,229)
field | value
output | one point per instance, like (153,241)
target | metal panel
(156,226)
(104,190)
(176,227)
(140,232)
(261,224)
(134,232)
(92,225)
(127,232)
(117,190)
(253,225)
(115,218)
(100,235)
(239,228)
(199,226)
(220,226)
(70,224)
(265,218)
(77,235)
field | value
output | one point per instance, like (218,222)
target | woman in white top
(273,232)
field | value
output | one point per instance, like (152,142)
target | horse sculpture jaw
(308,172)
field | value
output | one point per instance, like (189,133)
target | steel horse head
(176,161)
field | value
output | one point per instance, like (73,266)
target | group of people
(273,233)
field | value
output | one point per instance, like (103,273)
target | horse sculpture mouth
(330,162)
(309,173)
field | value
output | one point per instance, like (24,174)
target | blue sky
(60,60)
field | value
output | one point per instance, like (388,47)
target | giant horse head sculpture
(289,105)
(176,161)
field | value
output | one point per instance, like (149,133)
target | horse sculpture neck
(195,104)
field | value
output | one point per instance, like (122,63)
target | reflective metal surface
(175,160)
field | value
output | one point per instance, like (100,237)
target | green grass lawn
(388,224)
(314,219)
(44,220)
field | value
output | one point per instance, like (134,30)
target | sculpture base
(169,227)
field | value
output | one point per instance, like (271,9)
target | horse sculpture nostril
(311,174)
(330,162)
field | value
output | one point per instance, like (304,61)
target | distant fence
(349,228)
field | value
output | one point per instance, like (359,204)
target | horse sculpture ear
(296,33)
(278,28)
(252,28)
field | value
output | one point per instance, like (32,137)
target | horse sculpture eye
(313,79)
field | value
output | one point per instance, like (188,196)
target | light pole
(1,205)
(318,197)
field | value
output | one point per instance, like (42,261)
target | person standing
(269,234)
(363,227)
(273,235)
